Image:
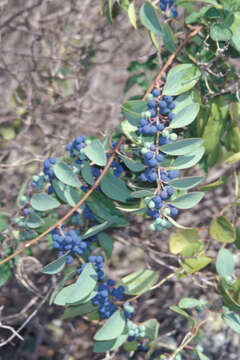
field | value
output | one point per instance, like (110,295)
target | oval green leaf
(114,188)
(188,201)
(84,285)
(181,78)
(112,328)
(55,266)
(189,303)
(186,116)
(95,152)
(186,183)
(66,175)
(225,263)
(149,18)
(181,147)
(189,160)
(44,202)
(132,15)
(222,230)
(139,281)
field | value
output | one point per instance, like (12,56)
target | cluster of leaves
(108,176)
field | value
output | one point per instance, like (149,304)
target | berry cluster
(49,175)
(156,121)
(107,293)
(77,146)
(168,7)
(136,331)
(69,241)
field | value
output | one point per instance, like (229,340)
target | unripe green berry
(159,228)
(167,211)
(17,220)
(144,150)
(143,114)
(147,114)
(168,225)
(36,178)
(158,221)
(131,333)
(173,137)
(165,133)
(151,204)
(152,227)
(147,200)
(150,97)
(164,222)
(147,144)
(142,327)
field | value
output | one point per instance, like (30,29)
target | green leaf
(183,313)
(141,194)
(216,125)
(220,33)
(202,356)
(195,264)
(215,184)
(151,328)
(3,222)
(132,165)
(5,273)
(114,188)
(112,328)
(181,147)
(139,281)
(95,152)
(109,11)
(104,209)
(186,183)
(189,160)
(222,230)
(55,266)
(154,41)
(181,78)
(86,173)
(69,273)
(98,228)
(235,40)
(84,285)
(132,111)
(132,15)
(233,320)
(130,131)
(66,193)
(80,290)
(78,310)
(168,38)
(189,303)
(34,221)
(66,175)
(106,242)
(233,159)
(187,201)
(186,116)
(225,263)
(103,346)
(149,18)
(44,202)
(185,242)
